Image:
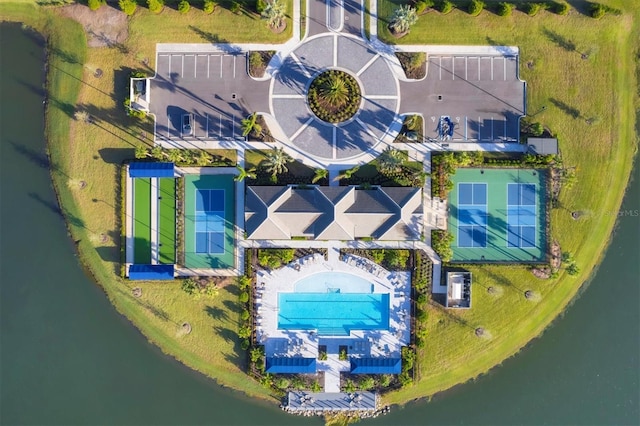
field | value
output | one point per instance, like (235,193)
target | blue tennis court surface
(472,215)
(498,215)
(209,221)
(521,215)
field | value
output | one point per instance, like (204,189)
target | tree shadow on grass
(116,155)
(567,109)
(559,40)
(216,313)
(232,306)
(208,36)
(232,289)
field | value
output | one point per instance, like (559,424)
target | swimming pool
(333,303)
(326,282)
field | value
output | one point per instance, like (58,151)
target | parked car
(187,128)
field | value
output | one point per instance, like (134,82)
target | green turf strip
(167,220)
(142,220)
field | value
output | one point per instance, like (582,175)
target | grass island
(406,196)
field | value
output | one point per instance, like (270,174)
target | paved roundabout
(378,108)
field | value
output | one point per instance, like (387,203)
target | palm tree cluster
(197,157)
(334,96)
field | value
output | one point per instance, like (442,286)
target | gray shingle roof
(333,213)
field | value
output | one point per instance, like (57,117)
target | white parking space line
(465,127)
(504,62)
(168,128)
(492,74)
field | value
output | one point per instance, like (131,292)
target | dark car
(187,129)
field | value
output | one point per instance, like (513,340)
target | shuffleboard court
(167,220)
(142,220)
(209,221)
(333,313)
(498,215)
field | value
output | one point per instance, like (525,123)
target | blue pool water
(333,303)
(325,282)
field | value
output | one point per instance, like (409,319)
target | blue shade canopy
(291,365)
(151,272)
(376,365)
(150,170)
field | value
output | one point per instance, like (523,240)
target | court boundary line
(535,208)
(486,213)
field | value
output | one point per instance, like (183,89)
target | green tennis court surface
(142,220)
(209,221)
(498,215)
(167,220)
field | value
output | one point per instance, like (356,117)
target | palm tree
(403,18)
(276,162)
(203,158)
(334,90)
(158,152)
(141,152)
(250,124)
(347,174)
(245,173)
(391,160)
(274,14)
(319,175)
(175,156)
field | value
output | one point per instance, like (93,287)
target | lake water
(67,357)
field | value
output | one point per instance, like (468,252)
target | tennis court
(498,215)
(209,221)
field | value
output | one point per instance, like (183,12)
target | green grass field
(575,90)
(167,220)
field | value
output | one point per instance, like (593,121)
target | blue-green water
(67,357)
(333,313)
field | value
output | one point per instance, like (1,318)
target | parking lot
(211,89)
(479,97)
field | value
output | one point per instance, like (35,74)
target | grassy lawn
(574,90)
(222,26)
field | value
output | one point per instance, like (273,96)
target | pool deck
(304,343)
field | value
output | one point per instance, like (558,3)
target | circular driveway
(380,97)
